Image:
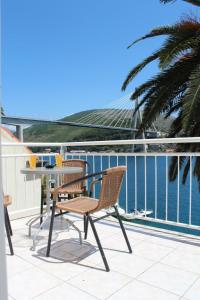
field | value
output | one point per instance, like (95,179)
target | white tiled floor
(161,267)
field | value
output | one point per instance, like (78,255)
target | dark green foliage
(195,2)
(55,133)
(175,90)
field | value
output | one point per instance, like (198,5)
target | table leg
(46,215)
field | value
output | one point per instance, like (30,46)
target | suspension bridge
(117,115)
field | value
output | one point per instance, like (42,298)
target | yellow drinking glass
(59,161)
(32,161)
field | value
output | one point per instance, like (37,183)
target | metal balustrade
(146,184)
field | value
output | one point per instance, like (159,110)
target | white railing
(146,184)
(112,142)
(132,199)
(24,190)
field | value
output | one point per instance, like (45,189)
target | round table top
(55,170)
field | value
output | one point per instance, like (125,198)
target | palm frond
(163,30)
(172,109)
(176,126)
(174,166)
(178,28)
(161,94)
(173,169)
(137,69)
(196,171)
(191,100)
(186,170)
(176,88)
(144,88)
(177,45)
(194,2)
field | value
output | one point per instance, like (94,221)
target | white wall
(25,192)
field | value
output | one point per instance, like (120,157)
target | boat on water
(136,214)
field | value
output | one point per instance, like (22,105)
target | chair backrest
(7,200)
(111,186)
(66,178)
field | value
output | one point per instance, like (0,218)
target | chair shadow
(69,251)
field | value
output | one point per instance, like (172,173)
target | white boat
(136,214)
(133,215)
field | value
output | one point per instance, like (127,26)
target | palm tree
(175,90)
(195,2)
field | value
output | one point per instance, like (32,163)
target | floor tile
(64,270)
(142,291)
(65,291)
(16,265)
(19,223)
(27,255)
(77,270)
(100,283)
(96,259)
(58,254)
(184,260)
(164,240)
(192,247)
(130,264)
(151,251)
(117,243)
(31,283)
(172,279)
(194,292)
(74,247)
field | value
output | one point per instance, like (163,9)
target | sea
(133,196)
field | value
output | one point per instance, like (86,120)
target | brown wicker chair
(75,189)
(71,191)
(110,189)
(7,200)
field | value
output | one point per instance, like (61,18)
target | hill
(57,133)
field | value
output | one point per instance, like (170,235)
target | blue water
(128,187)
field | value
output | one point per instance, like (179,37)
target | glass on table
(59,160)
(32,161)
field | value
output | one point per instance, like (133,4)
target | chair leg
(8,231)
(123,229)
(85,226)
(41,210)
(99,244)
(84,222)
(51,229)
(9,224)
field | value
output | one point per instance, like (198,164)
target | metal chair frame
(8,228)
(63,186)
(88,219)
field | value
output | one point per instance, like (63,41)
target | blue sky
(65,56)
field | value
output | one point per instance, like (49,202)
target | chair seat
(7,200)
(70,191)
(80,205)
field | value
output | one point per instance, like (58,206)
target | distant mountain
(57,133)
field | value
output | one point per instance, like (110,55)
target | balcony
(165,263)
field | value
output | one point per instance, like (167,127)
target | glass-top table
(48,172)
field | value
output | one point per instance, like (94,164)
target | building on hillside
(25,192)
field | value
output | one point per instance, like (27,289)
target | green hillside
(57,133)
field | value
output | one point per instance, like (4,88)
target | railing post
(62,151)
(3,272)
(19,133)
